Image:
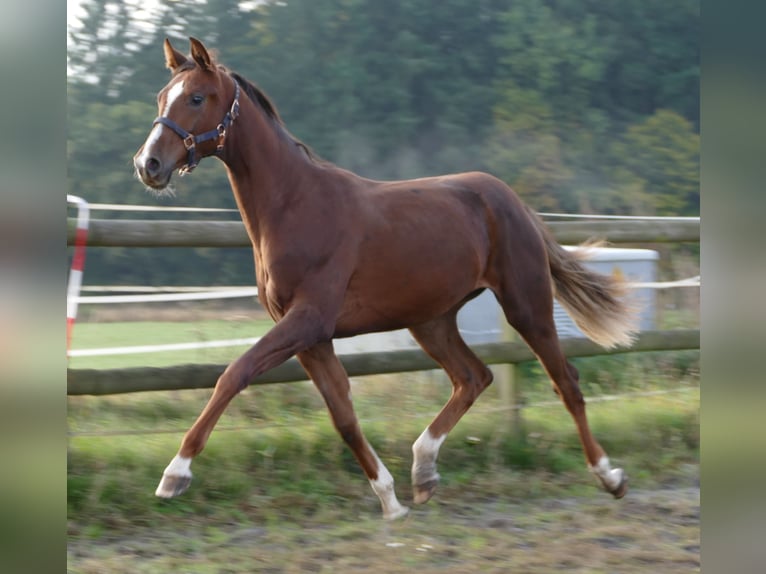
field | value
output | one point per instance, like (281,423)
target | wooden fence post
(508,379)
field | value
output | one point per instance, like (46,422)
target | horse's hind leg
(325,369)
(529,309)
(441,339)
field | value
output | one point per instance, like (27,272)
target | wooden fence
(135,379)
(175,233)
(164,233)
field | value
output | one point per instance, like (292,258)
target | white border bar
(164,297)
(162,348)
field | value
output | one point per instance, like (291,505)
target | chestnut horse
(338,255)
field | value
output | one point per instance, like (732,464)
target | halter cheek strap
(191,141)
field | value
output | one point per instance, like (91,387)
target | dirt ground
(647,531)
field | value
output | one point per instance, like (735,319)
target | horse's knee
(233,380)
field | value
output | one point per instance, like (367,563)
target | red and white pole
(78,264)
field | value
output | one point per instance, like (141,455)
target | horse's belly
(421,255)
(400,301)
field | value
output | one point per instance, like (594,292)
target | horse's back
(424,246)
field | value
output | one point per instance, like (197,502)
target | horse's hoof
(171,486)
(400,512)
(422,493)
(622,486)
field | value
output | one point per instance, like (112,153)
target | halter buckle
(221,137)
(189,142)
(188,168)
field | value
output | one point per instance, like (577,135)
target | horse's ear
(173,58)
(200,55)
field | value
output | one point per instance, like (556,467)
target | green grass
(276,490)
(275,454)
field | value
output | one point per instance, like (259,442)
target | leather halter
(191,141)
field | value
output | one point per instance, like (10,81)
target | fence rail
(174,233)
(130,380)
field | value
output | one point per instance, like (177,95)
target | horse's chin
(166,191)
(158,187)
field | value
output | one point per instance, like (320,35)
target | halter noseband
(191,141)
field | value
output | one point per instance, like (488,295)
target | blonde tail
(596,302)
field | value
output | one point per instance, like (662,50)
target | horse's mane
(261,99)
(256,94)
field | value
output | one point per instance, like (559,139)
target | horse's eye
(197,99)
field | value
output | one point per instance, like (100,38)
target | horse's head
(196,108)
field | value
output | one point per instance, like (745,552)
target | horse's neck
(265,169)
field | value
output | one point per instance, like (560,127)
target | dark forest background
(582,106)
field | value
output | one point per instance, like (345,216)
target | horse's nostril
(152,166)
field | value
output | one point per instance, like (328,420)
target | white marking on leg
(383,486)
(179,467)
(424,452)
(611,477)
(173,94)
(426,447)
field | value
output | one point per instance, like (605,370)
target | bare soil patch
(647,531)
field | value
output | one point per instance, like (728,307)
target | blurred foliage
(580,105)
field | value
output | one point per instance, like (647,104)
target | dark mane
(259,97)
(256,94)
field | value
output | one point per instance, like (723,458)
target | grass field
(277,491)
(138,333)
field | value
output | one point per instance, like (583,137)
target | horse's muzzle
(151,171)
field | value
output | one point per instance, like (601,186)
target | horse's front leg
(329,376)
(299,329)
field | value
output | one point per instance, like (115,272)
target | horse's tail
(596,302)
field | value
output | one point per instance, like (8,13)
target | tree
(566,100)
(525,151)
(390,89)
(662,153)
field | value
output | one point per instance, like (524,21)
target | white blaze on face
(174,93)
